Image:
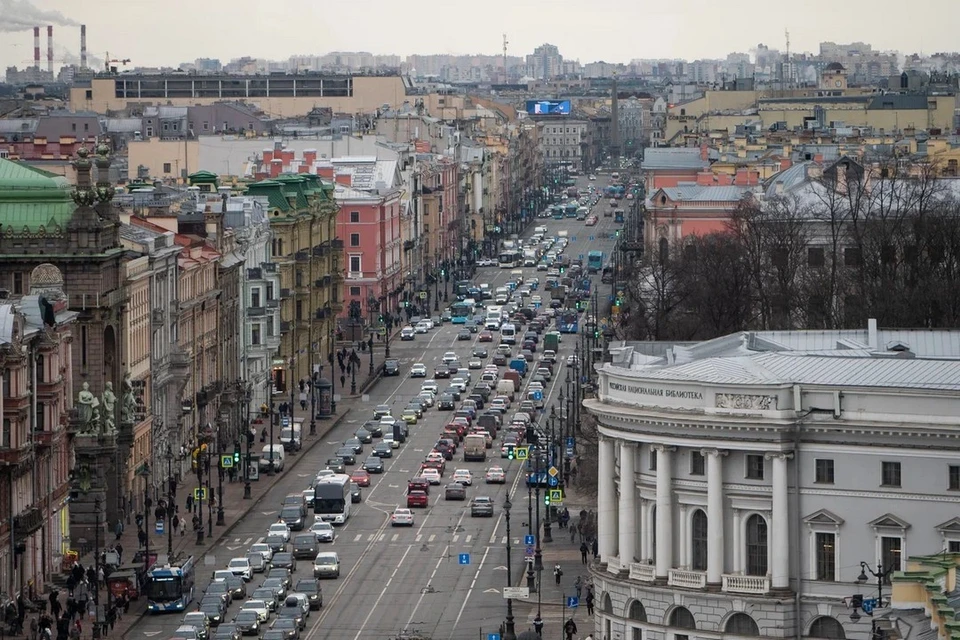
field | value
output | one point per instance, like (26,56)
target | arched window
(681,618)
(756,545)
(827,627)
(698,539)
(607,605)
(740,624)
(636,612)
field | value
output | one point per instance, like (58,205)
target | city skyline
(665,32)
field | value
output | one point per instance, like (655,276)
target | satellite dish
(47,313)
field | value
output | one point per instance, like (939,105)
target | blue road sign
(580,256)
(573,238)
(463,558)
(570,442)
(591,238)
(538,394)
(868,605)
(529,539)
(573,602)
(493,636)
(158,527)
(553,481)
(284,421)
(529,552)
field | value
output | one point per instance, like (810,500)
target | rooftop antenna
(505,43)
(788,67)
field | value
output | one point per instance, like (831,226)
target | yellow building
(925,595)
(309,256)
(136,341)
(283,96)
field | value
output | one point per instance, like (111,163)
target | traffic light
(236,455)
(509,453)
(618,233)
(546,498)
(596,333)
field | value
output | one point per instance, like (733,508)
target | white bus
(331,498)
(508,333)
(510,259)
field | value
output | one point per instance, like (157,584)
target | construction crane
(109,61)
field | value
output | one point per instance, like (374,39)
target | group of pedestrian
(586,550)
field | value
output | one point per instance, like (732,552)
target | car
(481,506)
(421,327)
(499,359)
(480,352)
(373,464)
(264,549)
(418,484)
(355,444)
(432,475)
(323,531)
(409,416)
(248,622)
(418,370)
(221,590)
(391,367)
(463,476)
(267,595)
(241,568)
(464,334)
(226,632)
(485,336)
(446,402)
(426,399)
(347,455)
(361,477)
(382,450)
(356,493)
(280,529)
(278,584)
(455,491)
(220,601)
(380,411)
(373,426)
(417,499)
(326,565)
(257,605)
(293,517)
(336,465)
(311,588)
(495,475)
(441,371)
(198,621)
(186,632)
(407,333)
(364,436)
(430,385)
(275,632)
(474,363)
(401,518)
(258,564)
(284,560)
(215,614)
(450,356)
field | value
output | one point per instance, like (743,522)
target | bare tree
(655,293)
(717,279)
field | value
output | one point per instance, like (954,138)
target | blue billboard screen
(548,107)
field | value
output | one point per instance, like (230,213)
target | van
(291,437)
(506,388)
(514,375)
(305,545)
(278,457)
(474,448)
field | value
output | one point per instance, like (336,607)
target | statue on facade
(109,401)
(128,406)
(87,409)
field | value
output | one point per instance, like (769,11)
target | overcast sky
(167,32)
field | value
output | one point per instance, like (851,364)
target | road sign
(463,558)
(556,495)
(493,636)
(591,238)
(516,593)
(573,602)
(285,421)
(423,295)
(580,256)
(200,493)
(538,394)
(158,528)
(868,605)
(553,471)
(521,453)
(573,238)
(226,462)
(529,552)
(529,539)
(553,481)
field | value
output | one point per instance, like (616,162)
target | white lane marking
(470,590)
(394,537)
(432,537)
(247,541)
(357,537)
(382,593)
(456,537)
(381,537)
(418,538)
(469,538)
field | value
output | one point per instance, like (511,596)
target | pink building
(369,225)
(689,209)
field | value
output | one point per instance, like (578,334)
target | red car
(416,499)
(418,484)
(486,336)
(361,477)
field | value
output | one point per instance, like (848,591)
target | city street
(412,578)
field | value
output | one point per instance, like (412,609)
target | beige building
(136,340)
(282,96)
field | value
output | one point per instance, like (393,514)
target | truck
(520,366)
(474,448)
(551,341)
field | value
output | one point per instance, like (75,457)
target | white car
(260,606)
(241,568)
(422,327)
(430,385)
(323,531)
(431,475)
(450,356)
(263,549)
(572,360)
(495,475)
(459,384)
(280,529)
(474,363)
(402,517)
(426,398)
(418,370)
(463,476)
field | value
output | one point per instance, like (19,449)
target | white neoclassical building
(743,480)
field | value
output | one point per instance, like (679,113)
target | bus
(508,333)
(511,259)
(556,212)
(460,312)
(607,276)
(594,261)
(571,209)
(170,587)
(568,321)
(331,498)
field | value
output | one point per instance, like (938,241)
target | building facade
(742,481)
(563,139)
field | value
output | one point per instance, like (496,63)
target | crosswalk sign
(522,453)
(200,493)
(556,495)
(226,461)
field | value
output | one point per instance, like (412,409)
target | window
(653,459)
(166,167)
(756,546)
(815,257)
(740,624)
(354,239)
(754,467)
(270,328)
(698,540)
(826,627)
(354,216)
(891,554)
(255,334)
(824,471)
(270,292)
(953,477)
(696,463)
(681,618)
(851,256)
(355,264)
(206,125)
(255,297)
(299,309)
(354,291)
(953,546)
(890,474)
(41,367)
(5,437)
(826,553)
(41,417)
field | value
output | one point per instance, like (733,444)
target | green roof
(31,198)
(203,177)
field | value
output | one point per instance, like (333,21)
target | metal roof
(690,192)
(672,158)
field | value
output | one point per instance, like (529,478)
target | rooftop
(31,198)
(673,158)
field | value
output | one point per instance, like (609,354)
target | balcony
(285,327)
(180,362)
(255,274)
(269,267)
(253,312)
(27,521)
(753,585)
(273,304)
(337,244)
(687,579)
(285,293)
(319,251)
(642,572)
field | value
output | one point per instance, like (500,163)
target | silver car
(326,565)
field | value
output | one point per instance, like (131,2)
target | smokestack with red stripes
(36,48)
(50,49)
(83,46)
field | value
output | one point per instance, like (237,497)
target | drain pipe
(798,408)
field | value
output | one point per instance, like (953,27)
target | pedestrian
(538,625)
(118,529)
(303,401)
(596,548)
(142,537)
(578,585)
(589,601)
(573,534)
(583,552)
(175,523)
(139,520)
(570,628)
(119,549)
(589,637)
(34,629)
(263,435)
(77,630)
(101,578)
(189,502)
(557,572)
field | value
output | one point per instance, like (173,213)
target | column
(628,504)
(737,542)
(644,533)
(606,510)
(780,552)
(664,511)
(714,516)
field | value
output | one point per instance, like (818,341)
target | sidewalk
(235,508)
(553,597)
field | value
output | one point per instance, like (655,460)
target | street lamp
(509,631)
(354,362)
(200,494)
(171,500)
(220,515)
(881,574)
(370,348)
(247,489)
(96,560)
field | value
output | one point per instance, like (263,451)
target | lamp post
(220,515)
(509,631)
(312,384)
(547,532)
(147,503)
(200,493)
(354,362)
(370,349)
(209,497)
(96,560)
(531,579)
(881,574)
(270,470)
(171,503)
(247,489)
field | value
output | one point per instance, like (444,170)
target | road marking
(247,541)
(357,537)
(394,537)
(261,539)
(380,597)
(432,537)
(469,538)
(456,537)
(418,538)
(470,590)
(381,537)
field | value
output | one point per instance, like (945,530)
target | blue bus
(568,321)
(571,209)
(557,212)
(594,261)
(460,311)
(170,587)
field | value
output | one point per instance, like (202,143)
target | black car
(452,391)
(226,632)
(277,542)
(481,506)
(293,517)
(455,491)
(310,587)
(356,493)
(453,367)
(391,367)
(336,465)
(373,464)
(364,436)
(373,426)
(499,359)
(441,372)
(463,334)
(355,444)
(383,450)
(480,352)
(347,454)
(446,402)
(284,561)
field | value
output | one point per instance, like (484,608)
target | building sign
(643,393)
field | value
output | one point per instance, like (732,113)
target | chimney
(36,48)
(276,167)
(50,49)
(704,152)
(83,46)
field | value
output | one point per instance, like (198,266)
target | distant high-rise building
(545,62)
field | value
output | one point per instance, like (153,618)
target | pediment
(824,517)
(889,521)
(950,526)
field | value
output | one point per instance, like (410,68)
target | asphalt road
(396,579)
